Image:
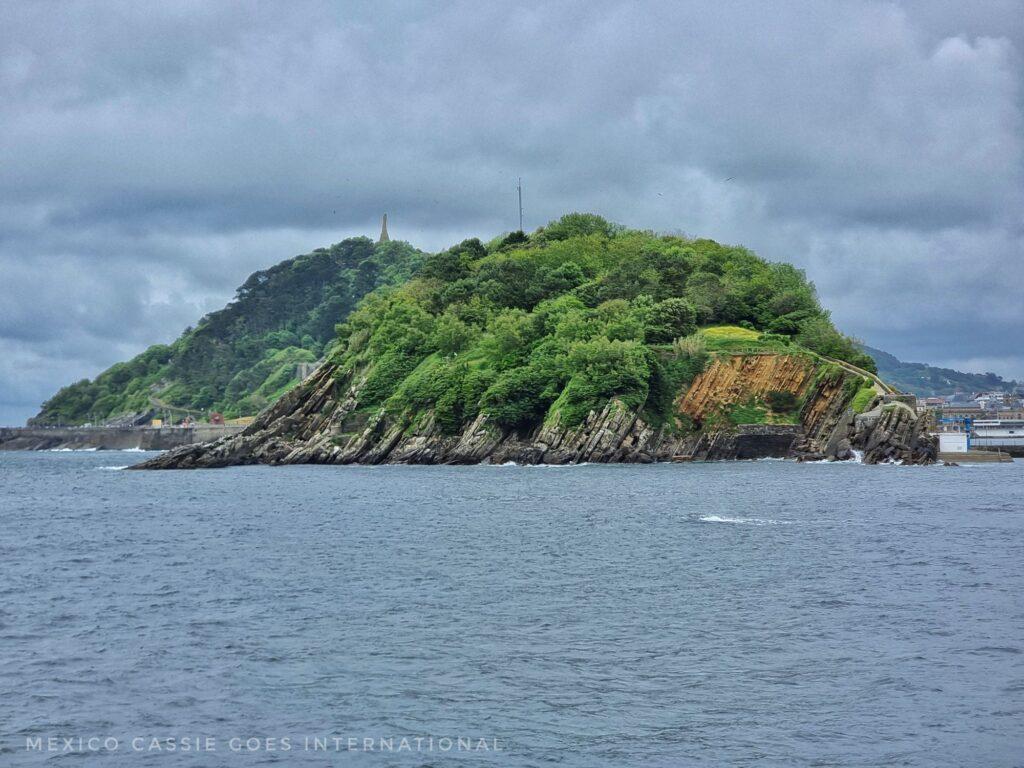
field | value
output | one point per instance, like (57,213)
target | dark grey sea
(763,613)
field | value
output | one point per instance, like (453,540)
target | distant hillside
(927,380)
(242,357)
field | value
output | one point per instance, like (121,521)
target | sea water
(765,613)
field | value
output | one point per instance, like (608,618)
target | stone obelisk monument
(384,230)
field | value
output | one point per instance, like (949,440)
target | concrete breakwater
(110,438)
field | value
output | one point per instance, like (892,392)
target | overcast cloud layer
(153,154)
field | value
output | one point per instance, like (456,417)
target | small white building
(952,442)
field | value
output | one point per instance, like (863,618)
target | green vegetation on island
(550,326)
(241,358)
(525,328)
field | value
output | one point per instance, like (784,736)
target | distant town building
(1012,413)
(384,230)
(959,411)
(989,400)
(999,434)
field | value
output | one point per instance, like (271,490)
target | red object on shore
(216,418)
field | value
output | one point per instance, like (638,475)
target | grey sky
(153,154)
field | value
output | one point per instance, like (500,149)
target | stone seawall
(110,438)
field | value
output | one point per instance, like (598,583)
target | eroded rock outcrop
(320,423)
(734,378)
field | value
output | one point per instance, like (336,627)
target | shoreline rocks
(319,423)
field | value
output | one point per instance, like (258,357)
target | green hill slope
(548,328)
(927,380)
(240,358)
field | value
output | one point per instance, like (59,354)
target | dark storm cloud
(153,154)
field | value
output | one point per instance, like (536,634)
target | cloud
(154,154)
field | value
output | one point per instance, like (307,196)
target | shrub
(439,385)
(781,402)
(518,397)
(577,225)
(690,346)
(385,376)
(450,335)
(603,369)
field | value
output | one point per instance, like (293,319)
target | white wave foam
(112,469)
(858,458)
(558,466)
(742,520)
(72,450)
(537,466)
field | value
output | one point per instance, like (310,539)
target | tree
(669,319)
(517,397)
(451,335)
(578,225)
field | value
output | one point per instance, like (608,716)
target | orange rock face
(738,378)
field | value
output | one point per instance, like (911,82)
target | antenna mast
(519,188)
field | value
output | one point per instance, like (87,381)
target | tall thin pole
(519,187)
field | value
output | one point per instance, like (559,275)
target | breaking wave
(742,520)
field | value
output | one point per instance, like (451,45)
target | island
(583,342)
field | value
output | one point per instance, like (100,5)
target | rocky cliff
(320,422)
